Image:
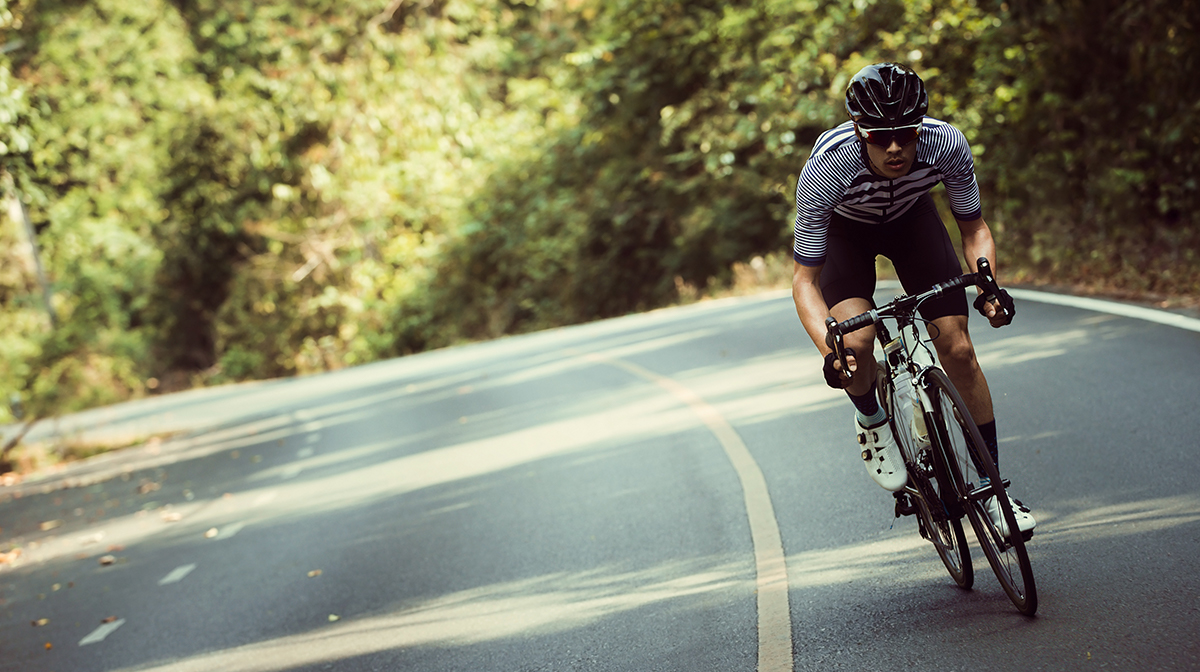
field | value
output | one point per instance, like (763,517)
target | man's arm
(810,303)
(977,242)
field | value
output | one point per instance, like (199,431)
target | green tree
(236,189)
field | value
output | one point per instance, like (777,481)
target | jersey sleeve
(958,170)
(816,197)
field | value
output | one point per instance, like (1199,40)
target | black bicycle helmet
(886,95)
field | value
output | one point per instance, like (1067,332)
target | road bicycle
(951,472)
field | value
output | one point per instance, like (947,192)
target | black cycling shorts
(918,246)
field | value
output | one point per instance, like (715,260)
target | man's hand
(834,376)
(999,309)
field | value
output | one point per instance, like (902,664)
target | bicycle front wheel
(970,464)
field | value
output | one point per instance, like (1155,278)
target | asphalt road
(669,491)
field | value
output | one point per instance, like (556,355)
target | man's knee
(958,353)
(954,345)
(863,344)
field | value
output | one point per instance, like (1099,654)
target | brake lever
(991,290)
(836,342)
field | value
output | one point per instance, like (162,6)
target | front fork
(915,425)
(915,449)
(921,465)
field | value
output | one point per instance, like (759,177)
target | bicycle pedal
(904,505)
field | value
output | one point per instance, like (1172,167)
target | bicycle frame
(900,358)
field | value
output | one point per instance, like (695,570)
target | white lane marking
(230,530)
(1110,307)
(774,613)
(177,574)
(291,472)
(101,632)
(265,498)
(1096,305)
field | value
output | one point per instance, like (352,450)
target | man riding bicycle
(863,192)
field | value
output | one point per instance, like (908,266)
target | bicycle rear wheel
(937,524)
(970,462)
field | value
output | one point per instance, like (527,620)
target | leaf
(40,622)
(106,560)
(211,533)
(108,619)
(315,572)
(334,617)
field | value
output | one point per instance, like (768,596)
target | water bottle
(919,430)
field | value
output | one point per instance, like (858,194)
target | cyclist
(863,192)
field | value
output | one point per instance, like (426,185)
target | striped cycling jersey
(836,179)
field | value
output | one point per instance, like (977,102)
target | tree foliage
(235,189)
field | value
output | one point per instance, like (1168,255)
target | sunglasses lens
(904,136)
(885,137)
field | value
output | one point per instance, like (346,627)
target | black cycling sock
(868,407)
(988,431)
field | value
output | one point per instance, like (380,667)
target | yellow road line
(774,615)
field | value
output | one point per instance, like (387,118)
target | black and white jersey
(836,179)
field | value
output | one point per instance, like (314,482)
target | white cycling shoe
(1025,521)
(881,455)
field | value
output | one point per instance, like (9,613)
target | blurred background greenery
(224,190)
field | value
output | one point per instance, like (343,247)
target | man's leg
(921,250)
(957,356)
(880,454)
(956,353)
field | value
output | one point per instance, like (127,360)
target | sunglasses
(883,137)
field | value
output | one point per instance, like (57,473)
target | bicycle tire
(941,528)
(966,455)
